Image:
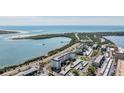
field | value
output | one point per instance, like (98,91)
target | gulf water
(17,51)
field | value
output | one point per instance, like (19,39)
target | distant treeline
(100,34)
(70,35)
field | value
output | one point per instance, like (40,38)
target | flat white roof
(66,70)
(76,63)
(108,68)
(57,57)
(104,65)
(98,59)
(78,66)
(27,71)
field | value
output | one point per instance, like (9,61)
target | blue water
(118,40)
(17,51)
(62,29)
(14,52)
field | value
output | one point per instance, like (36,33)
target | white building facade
(57,61)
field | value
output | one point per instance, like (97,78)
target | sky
(62,20)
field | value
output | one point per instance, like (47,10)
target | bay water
(14,52)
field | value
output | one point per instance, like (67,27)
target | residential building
(103,48)
(98,61)
(79,49)
(57,62)
(95,46)
(103,68)
(76,64)
(83,50)
(107,70)
(88,51)
(29,72)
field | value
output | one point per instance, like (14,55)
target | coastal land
(76,40)
(7,32)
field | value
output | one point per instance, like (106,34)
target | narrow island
(7,32)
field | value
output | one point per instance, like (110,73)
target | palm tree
(91,71)
(41,66)
(75,72)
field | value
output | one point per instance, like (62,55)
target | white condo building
(57,61)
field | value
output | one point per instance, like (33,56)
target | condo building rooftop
(60,56)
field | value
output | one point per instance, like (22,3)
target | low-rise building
(103,68)
(57,62)
(29,72)
(107,70)
(79,49)
(83,50)
(76,64)
(95,46)
(65,70)
(103,48)
(88,51)
(98,61)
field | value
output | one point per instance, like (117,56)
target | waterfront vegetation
(101,34)
(94,37)
(69,35)
(7,32)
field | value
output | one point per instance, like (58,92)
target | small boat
(43,44)
(62,42)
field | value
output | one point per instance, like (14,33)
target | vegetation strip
(93,35)
(7,32)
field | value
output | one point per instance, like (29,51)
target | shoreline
(22,36)
(54,52)
(18,31)
(35,36)
(50,53)
(7,32)
(14,69)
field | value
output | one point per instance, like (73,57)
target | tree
(91,71)
(95,53)
(75,72)
(41,66)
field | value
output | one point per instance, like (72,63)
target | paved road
(89,39)
(25,67)
(76,35)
